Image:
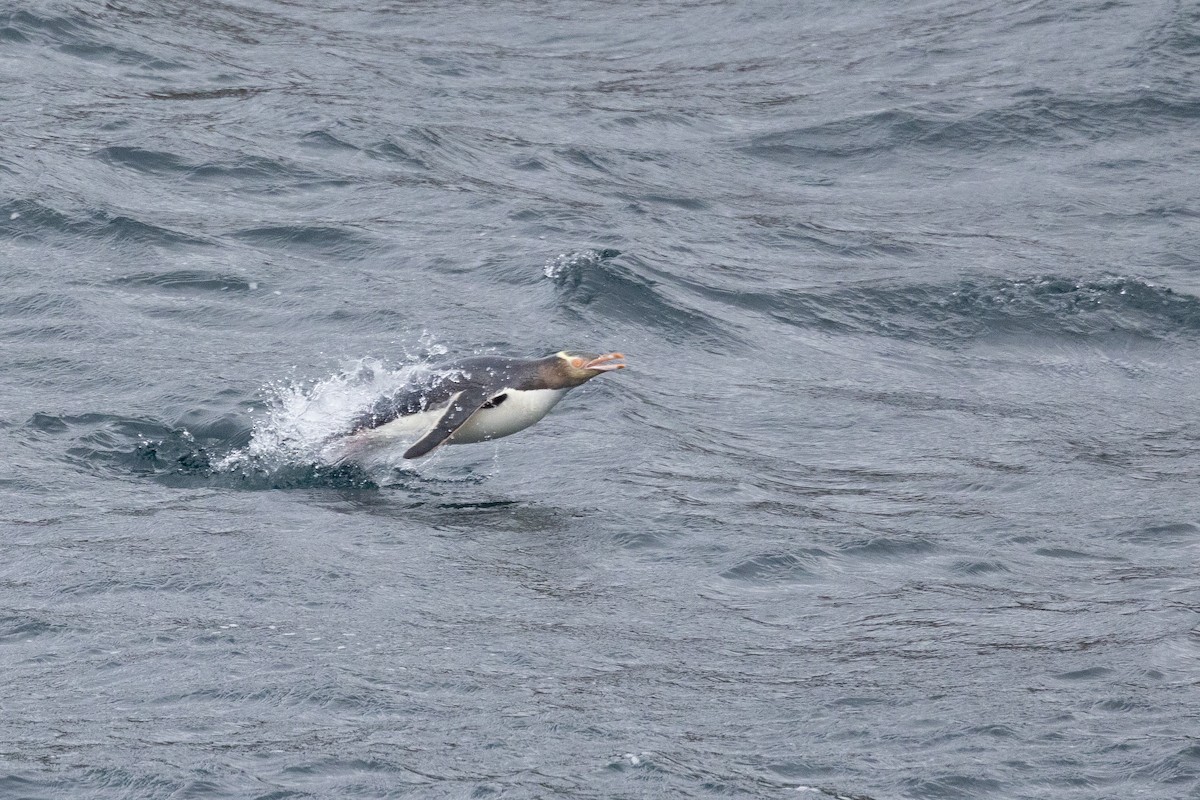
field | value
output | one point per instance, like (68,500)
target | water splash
(300,419)
(568,265)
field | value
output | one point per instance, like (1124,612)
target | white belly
(518,411)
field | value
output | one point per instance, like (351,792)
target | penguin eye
(577,363)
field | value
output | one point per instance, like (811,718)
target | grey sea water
(898,498)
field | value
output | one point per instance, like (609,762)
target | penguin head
(568,369)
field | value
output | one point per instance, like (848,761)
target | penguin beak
(605,363)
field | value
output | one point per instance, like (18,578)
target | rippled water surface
(896,500)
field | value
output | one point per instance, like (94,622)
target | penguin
(471,400)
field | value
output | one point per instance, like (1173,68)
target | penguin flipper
(462,407)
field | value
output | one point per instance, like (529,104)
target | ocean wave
(213,454)
(29,219)
(188,281)
(596,281)
(1034,116)
(245,169)
(77,35)
(967,310)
